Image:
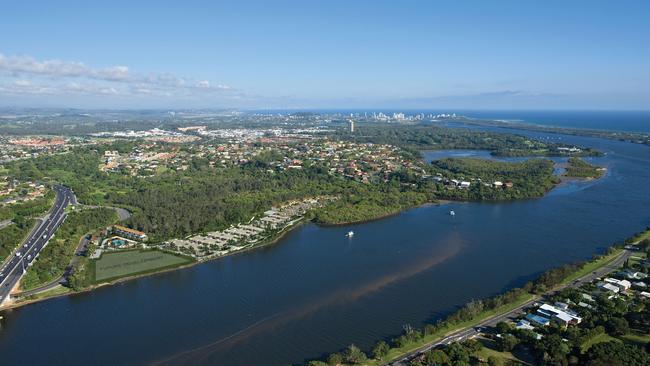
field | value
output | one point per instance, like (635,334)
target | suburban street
(469,332)
(15,267)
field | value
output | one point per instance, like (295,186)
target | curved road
(13,270)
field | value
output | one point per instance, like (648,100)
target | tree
(495,361)
(437,357)
(354,355)
(335,359)
(618,326)
(616,354)
(458,353)
(504,327)
(473,345)
(552,349)
(507,342)
(380,350)
(316,363)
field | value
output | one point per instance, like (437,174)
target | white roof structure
(622,284)
(564,316)
(524,324)
(609,287)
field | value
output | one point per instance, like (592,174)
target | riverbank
(454,327)
(439,202)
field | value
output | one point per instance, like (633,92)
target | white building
(563,315)
(623,285)
(608,287)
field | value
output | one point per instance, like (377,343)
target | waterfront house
(129,233)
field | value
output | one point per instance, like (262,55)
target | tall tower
(351,126)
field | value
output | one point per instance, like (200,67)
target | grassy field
(637,339)
(592,266)
(60,290)
(132,262)
(642,236)
(489,350)
(597,339)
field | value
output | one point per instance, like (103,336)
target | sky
(326,54)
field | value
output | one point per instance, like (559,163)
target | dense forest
(578,168)
(22,216)
(12,235)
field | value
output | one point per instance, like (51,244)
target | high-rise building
(351,126)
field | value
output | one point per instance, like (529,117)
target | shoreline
(275,240)
(439,202)
(280,235)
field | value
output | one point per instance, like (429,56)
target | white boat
(452,213)
(350,234)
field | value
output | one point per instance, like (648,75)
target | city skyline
(255,55)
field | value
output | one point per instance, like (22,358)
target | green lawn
(642,236)
(131,262)
(592,266)
(489,350)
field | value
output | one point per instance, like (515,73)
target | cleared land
(132,262)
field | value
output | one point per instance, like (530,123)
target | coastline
(275,240)
(439,202)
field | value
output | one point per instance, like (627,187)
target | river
(316,291)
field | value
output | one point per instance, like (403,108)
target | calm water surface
(317,291)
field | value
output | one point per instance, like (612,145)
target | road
(475,330)
(13,269)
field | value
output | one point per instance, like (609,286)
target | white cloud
(25,74)
(203,84)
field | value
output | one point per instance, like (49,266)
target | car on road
(44,236)
(18,254)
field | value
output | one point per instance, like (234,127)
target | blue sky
(326,54)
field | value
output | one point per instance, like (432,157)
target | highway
(470,332)
(15,267)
